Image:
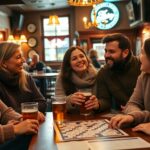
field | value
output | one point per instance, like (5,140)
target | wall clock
(32,41)
(107,15)
(31,28)
(31,52)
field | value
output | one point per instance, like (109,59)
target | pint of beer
(59,108)
(29,110)
(87,93)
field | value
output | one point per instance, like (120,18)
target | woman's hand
(41,117)
(13,122)
(119,120)
(144,127)
(77,98)
(29,126)
(92,103)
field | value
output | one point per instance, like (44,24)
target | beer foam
(59,102)
(87,94)
(29,110)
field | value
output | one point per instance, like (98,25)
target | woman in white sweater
(76,73)
(137,109)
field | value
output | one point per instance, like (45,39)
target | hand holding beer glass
(59,108)
(87,93)
(29,110)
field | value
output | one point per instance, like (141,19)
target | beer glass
(29,110)
(59,108)
(87,93)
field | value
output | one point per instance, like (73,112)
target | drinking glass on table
(59,108)
(29,110)
(87,93)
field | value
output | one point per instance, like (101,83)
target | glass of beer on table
(87,93)
(59,108)
(29,110)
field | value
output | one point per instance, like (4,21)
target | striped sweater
(6,129)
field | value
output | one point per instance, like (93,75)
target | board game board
(89,129)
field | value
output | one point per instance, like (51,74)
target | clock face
(32,42)
(107,15)
(31,53)
(31,28)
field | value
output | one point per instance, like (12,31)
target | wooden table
(43,77)
(45,140)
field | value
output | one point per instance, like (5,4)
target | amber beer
(30,114)
(29,110)
(59,109)
(83,110)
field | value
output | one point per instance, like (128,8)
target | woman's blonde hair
(7,49)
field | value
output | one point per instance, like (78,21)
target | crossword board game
(89,129)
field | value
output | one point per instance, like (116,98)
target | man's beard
(116,64)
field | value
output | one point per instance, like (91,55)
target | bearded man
(117,79)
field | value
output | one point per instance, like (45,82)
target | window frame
(52,37)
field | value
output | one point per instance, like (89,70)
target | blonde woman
(16,86)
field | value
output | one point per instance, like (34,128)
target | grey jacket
(139,103)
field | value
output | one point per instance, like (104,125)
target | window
(100,48)
(56,39)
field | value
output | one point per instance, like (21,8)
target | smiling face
(113,54)
(78,61)
(15,63)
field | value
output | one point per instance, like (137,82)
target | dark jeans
(19,143)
